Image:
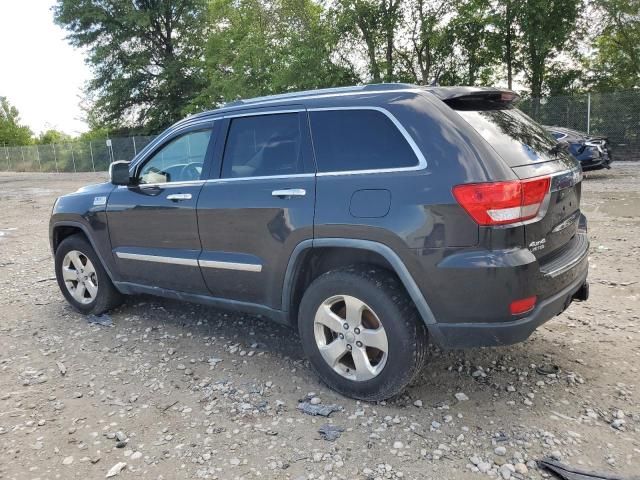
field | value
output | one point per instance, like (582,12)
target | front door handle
(178,197)
(289,192)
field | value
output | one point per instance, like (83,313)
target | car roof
(443,93)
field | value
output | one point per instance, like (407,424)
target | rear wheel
(82,279)
(361,332)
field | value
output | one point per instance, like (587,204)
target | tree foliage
(260,48)
(146,55)
(616,63)
(12,132)
(156,60)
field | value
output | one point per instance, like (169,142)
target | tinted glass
(180,160)
(347,140)
(516,137)
(263,145)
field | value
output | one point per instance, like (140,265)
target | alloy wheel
(80,277)
(351,338)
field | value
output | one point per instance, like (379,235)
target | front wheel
(362,333)
(82,279)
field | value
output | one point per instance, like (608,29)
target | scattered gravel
(176,390)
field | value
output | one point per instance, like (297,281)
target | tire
(100,295)
(386,305)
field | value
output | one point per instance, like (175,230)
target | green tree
(261,48)
(477,39)
(546,26)
(11,131)
(376,23)
(427,55)
(616,64)
(146,55)
(53,136)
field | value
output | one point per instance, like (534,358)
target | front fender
(85,210)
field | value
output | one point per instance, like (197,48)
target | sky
(40,73)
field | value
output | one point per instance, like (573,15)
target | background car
(593,153)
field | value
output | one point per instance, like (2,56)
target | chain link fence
(93,156)
(613,115)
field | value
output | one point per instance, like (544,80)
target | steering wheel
(191,171)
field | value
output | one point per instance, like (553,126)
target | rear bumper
(596,162)
(471,292)
(467,335)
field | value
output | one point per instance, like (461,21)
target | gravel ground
(176,390)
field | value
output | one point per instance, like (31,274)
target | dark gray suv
(373,219)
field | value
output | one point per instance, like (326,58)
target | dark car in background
(373,218)
(592,152)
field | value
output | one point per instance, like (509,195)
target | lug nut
(346,326)
(349,347)
(359,344)
(356,330)
(341,336)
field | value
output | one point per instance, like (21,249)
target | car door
(153,224)
(258,205)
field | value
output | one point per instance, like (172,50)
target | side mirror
(119,173)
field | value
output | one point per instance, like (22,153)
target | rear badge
(98,201)
(537,245)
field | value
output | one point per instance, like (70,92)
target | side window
(180,160)
(346,140)
(263,145)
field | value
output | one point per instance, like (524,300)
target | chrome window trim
(421,165)
(244,267)
(185,183)
(264,177)
(191,262)
(422,161)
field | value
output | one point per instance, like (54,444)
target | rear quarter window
(352,140)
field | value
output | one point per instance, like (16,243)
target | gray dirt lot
(199,393)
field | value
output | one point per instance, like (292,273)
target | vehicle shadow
(446,372)
(206,321)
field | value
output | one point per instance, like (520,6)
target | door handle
(289,192)
(177,197)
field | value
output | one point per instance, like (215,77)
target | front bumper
(467,335)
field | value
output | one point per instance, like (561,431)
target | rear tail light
(523,305)
(501,203)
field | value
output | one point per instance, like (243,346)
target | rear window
(513,135)
(348,140)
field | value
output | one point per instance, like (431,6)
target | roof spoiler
(461,97)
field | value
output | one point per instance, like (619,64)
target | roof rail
(323,91)
(380,87)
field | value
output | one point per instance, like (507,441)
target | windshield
(513,135)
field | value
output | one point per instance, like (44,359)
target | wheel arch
(301,269)
(66,228)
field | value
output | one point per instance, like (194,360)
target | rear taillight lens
(501,203)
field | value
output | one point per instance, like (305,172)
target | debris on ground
(104,320)
(61,368)
(314,410)
(330,432)
(548,369)
(572,473)
(115,470)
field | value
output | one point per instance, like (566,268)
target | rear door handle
(289,192)
(178,197)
